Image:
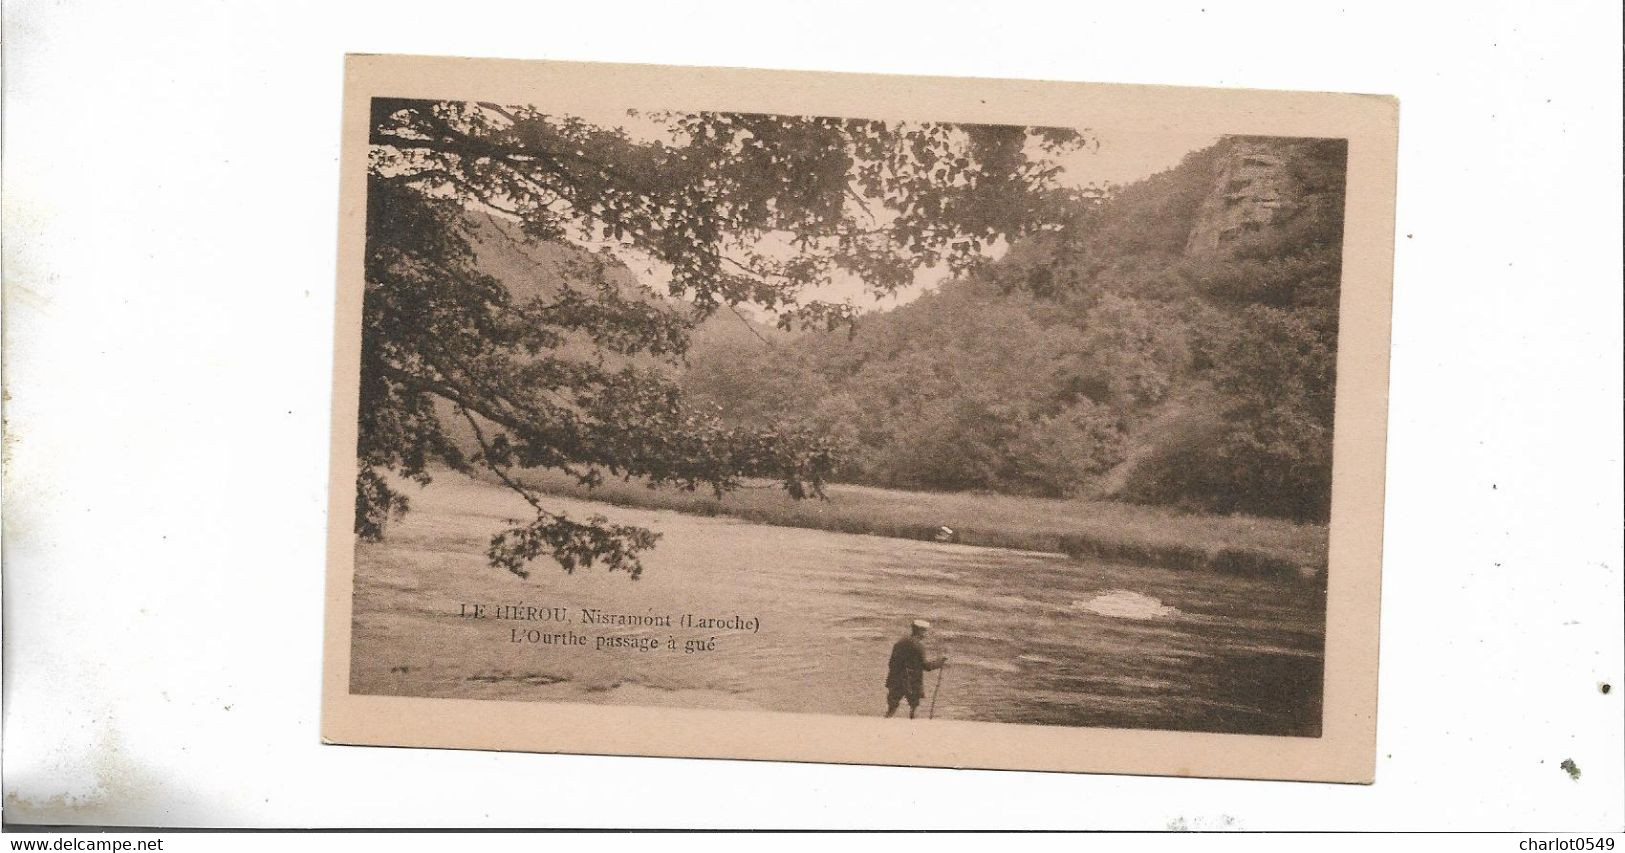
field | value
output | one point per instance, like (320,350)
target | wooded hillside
(1174,344)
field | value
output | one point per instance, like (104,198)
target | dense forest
(1172,343)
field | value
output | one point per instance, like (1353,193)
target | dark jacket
(906,674)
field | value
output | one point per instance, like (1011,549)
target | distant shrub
(1060,456)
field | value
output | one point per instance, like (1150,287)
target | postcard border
(1346,750)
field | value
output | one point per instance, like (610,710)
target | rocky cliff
(1256,185)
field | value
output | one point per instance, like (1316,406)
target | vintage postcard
(847,418)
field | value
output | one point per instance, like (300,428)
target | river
(1031,638)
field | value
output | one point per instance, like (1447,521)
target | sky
(1123,155)
(1129,155)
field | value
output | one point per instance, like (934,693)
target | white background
(170,213)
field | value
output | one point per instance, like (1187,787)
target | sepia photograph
(792,412)
(1167,420)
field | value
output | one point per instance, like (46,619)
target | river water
(1031,638)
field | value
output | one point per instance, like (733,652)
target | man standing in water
(905,678)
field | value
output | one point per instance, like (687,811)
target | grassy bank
(1097,529)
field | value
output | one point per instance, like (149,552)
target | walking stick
(932,714)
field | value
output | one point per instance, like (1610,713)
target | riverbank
(1103,530)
